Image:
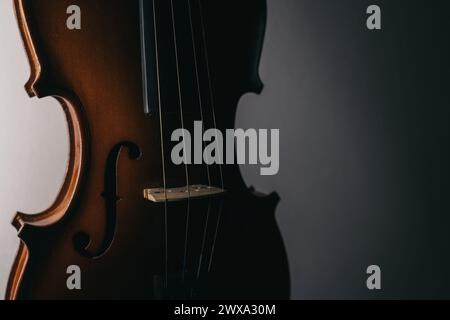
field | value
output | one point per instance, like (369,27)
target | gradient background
(364,175)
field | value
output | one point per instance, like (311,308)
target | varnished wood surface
(95,74)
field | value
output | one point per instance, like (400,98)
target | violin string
(211,92)
(182,124)
(166,225)
(197,78)
(216,233)
(205,233)
(205,230)
(199,93)
(186,237)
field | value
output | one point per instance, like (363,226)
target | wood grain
(95,74)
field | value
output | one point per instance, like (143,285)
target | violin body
(126,246)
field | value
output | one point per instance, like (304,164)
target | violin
(128,221)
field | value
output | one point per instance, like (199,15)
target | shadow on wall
(357,159)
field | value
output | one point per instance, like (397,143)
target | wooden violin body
(100,221)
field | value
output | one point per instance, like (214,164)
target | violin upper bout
(257,27)
(235,38)
(23,20)
(40,86)
(257,84)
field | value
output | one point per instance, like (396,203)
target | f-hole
(82,241)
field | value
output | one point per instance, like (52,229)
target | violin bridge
(159,195)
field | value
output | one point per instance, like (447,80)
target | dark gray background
(364,146)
